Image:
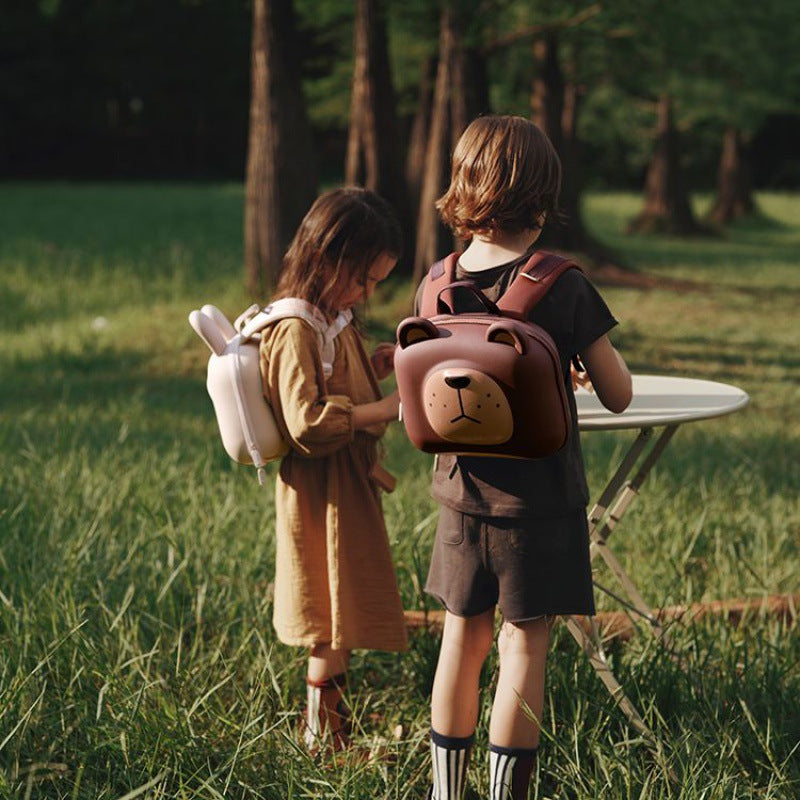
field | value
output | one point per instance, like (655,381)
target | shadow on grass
(96,373)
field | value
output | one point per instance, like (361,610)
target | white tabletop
(661,400)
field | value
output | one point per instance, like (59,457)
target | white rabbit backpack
(246,422)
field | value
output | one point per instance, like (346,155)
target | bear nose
(460,382)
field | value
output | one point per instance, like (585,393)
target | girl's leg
(513,736)
(326,713)
(325,662)
(466,641)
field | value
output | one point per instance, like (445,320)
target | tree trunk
(547,97)
(281,179)
(432,236)
(667,208)
(470,93)
(734,198)
(415,157)
(460,95)
(373,155)
(555,104)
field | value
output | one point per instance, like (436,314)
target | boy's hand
(383,360)
(580,378)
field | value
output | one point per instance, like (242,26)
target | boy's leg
(326,713)
(466,641)
(510,771)
(513,736)
(522,648)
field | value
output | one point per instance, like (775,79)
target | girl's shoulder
(291,333)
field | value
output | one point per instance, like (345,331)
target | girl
(335,587)
(512,533)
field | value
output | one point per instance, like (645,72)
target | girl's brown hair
(339,239)
(505,174)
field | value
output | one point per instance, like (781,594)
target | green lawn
(137,656)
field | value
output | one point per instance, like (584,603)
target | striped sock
(510,771)
(449,759)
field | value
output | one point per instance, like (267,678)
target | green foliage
(161,87)
(136,646)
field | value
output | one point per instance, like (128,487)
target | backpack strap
(439,275)
(533,282)
(291,307)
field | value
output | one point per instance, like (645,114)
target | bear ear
(505,333)
(415,329)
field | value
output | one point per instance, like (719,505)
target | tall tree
(373,156)
(555,107)
(665,58)
(734,198)
(666,199)
(750,70)
(460,94)
(418,138)
(281,178)
(564,40)
(431,234)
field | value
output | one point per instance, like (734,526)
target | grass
(137,657)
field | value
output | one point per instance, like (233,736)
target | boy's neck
(487,252)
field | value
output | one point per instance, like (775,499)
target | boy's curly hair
(505,174)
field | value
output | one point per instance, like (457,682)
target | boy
(512,532)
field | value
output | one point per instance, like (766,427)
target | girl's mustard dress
(334,578)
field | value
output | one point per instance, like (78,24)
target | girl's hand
(387,409)
(383,360)
(392,405)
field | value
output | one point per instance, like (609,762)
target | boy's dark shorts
(529,567)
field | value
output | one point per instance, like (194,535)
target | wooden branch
(534,31)
(619,625)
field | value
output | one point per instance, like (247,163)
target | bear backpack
(488,383)
(245,419)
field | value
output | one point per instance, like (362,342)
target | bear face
(469,384)
(467,406)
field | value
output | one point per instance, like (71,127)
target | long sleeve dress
(335,581)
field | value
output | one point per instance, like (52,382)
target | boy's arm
(610,376)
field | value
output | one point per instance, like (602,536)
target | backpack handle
(443,308)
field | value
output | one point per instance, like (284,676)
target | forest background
(673,97)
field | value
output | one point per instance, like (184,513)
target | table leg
(593,648)
(624,493)
(618,479)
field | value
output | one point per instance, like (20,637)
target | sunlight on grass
(136,646)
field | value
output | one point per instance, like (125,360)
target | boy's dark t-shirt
(575,315)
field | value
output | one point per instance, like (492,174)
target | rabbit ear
(226,328)
(207,329)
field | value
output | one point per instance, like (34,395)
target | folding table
(659,402)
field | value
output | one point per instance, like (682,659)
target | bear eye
(503,333)
(416,335)
(504,337)
(417,329)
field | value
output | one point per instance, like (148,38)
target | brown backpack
(488,383)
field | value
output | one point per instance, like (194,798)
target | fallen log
(620,625)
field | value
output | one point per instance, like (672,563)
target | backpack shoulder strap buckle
(533,282)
